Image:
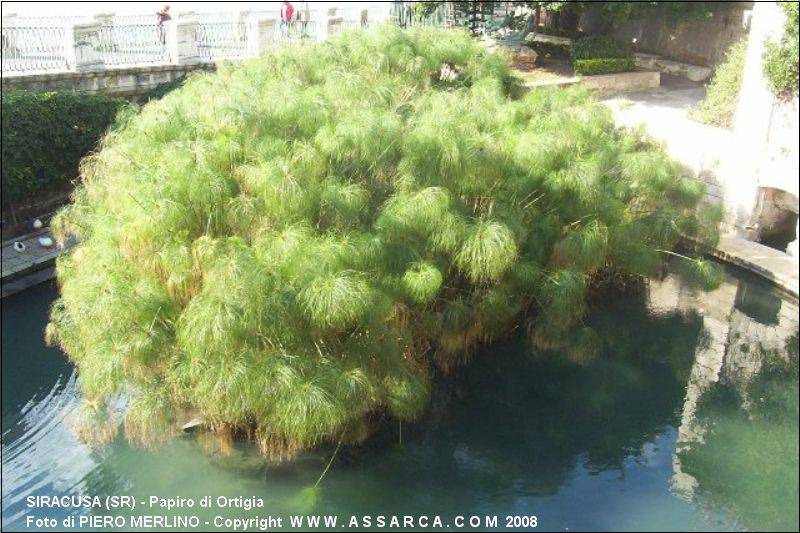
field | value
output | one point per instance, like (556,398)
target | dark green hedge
(553,50)
(45,135)
(588,67)
(596,47)
(162,89)
(560,32)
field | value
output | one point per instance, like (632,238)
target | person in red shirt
(287,15)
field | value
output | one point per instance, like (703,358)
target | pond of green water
(687,420)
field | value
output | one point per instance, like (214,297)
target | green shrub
(718,108)
(553,50)
(600,47)
(560,32)
(589,67)
(162,89)
(781,59)
(289,247)
(45,135)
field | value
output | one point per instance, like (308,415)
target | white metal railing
(133,44)
(36,49)
(73,43)
(221,16)
(135,20)
(297,31)
(50,22)
(221,40)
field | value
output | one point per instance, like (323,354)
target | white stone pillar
(106,21)
(748,157)
(82,47)
(260,35)
(182,41)
(244,18)
(755,97)
(332,26)
(10,21)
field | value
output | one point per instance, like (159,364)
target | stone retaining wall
(621,82)
(699,42)
(128,82)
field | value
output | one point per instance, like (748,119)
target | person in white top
(305,16)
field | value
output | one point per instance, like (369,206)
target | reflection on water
(751,429)
(624,441)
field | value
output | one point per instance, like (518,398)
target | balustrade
(59,44)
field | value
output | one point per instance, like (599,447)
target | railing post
(332,26)
(106,20)
(182,41)
(243,28)
(9,20)
(82,47)
(260,35)
(9,38)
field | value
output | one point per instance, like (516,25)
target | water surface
(687,420)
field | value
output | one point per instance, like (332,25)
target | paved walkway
(664,111)
(700,147)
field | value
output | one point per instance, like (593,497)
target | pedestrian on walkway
(287,16)
(304,14)
(163,16)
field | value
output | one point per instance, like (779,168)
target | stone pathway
(663,111)
(701,148)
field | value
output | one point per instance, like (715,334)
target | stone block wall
(699,42)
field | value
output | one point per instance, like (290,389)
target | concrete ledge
(668,66)
(124,81)
(26,282)
(559,82)
(776,267)
(622,82)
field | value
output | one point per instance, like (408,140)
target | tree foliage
(617,13)
(600,47)
(781,58)
(292,245)
(45,135)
